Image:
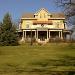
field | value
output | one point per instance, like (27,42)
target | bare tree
(69,7)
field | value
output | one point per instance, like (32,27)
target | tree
(8,33)
(69,9)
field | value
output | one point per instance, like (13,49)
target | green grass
(36,59)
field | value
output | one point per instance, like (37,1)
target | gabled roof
(53,15)
(41,10)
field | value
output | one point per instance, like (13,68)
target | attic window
(40,16)
(44,15)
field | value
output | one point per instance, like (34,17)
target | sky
(17,7)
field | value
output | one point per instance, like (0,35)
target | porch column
(59,34)
(37,34)
(25,34)
(47,34)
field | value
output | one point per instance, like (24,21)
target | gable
(41,10)
(42,14)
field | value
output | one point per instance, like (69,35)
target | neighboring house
(43,25)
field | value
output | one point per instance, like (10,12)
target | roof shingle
(53,15)
(28,15)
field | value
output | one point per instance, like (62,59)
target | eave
(28,19)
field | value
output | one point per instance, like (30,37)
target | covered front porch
(42,35)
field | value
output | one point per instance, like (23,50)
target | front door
(42,35)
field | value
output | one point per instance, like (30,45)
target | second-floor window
(27,26)
(57,24)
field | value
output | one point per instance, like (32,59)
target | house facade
(43,26)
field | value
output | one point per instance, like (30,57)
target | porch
(42,35)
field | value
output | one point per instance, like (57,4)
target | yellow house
(43,25)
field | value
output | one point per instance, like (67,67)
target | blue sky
(18,7)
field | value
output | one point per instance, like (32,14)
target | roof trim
(28,18)
(55,18)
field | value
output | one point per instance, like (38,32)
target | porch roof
(67,31)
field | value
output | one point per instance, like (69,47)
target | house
(43,25)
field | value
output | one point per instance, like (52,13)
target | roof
(28,15)
(58,15)
(53,15)
(40,10)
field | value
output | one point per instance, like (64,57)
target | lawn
(37,59)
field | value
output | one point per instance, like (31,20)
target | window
(34,15)
(27,26)
(57,24)
(40,16)
(42,25)
(44,16)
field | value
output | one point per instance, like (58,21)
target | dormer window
(34,16)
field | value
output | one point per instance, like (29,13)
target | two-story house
(43,25)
